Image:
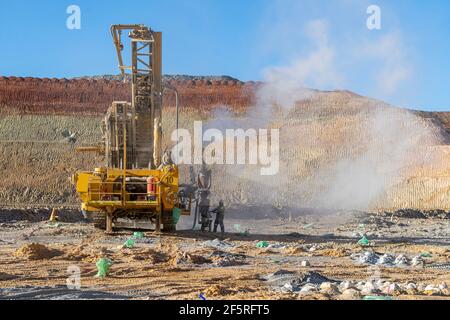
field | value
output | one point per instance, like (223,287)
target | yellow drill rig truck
(137,181)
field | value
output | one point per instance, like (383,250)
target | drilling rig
(137,182)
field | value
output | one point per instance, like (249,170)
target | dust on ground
(304,257)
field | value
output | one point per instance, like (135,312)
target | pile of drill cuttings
(36,251)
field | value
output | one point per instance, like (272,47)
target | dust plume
(337,150)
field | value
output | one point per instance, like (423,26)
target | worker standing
(220,214)
(204,184)
(204,211)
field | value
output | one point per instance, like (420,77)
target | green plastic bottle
(129,243)
(368,298)
(103,266)
(364,241)
(262,244)
(138,235)
(176,213)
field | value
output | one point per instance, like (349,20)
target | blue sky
(405,63)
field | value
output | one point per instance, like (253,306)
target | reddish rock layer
(82,96)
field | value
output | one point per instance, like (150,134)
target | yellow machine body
(104,189)
(137,181)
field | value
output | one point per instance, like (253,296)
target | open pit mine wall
(36,161)
(93,97)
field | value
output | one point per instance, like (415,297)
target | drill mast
(132,132)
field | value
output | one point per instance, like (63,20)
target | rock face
(93,95)
(326,140)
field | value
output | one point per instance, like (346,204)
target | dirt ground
(308,257)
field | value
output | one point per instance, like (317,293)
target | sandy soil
(36,259)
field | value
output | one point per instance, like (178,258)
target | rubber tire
(167,222)
(99,220)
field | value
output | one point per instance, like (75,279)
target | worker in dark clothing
(203,193)
(220,214)
(205,215)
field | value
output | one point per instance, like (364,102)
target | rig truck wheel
(168,223)
(100,220)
